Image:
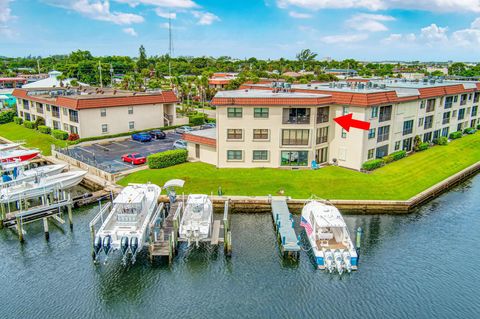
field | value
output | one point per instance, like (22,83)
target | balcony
(408,131)
(296,116)
(446,120)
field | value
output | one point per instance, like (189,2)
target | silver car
(180,145)
(183,129)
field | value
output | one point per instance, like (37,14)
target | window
(428,122)
(476,97)
(27,116)
(374,113)
(397,145)
(427,137)
(455,99)
(73,129)
(407,127)
(48,107)
(322,115)
(130,110)
(56,125)
(260,134)
(65,127)
(295,137)
(344,133)
(260,112)
(73,116)
(345,110)
(370,153)
(322,155)
(103,112)
(436,134)
(454,114)
(65,111)
(104,128)
(33,117)
(407,144)
(234,155)
(446,118)
(463,99)
(296,116)
(383,133)
(26,105)
(445,131)
(294,158)
(422,104)
(461,114)
(474,110)
(371,133)
(260,155)
(385,113)
(382,151)
(39,107)
(131,125)
(448,102)
(322,135)
(470,97)
(234,134)
(235,112)
(430,105)
(55,111)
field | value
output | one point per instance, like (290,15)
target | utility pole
(38,66)
(100,69)
(111,75)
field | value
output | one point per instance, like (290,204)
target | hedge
(372,164)
(60,135)
(469,130)
(478,127)
(423,146)
(441,141)
(7,116)
(44,129)
(197,119)
(398,155)
(29,124)
(167,158)
(455,135)
(18,120)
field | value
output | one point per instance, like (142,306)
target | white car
(183,129)
(180,145)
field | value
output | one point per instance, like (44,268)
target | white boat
(9,146)
(197,219)
(18,155)
(18,172)
(40,186)
(329,237)
(125,227)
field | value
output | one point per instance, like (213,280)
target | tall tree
(142,62)
(306,55)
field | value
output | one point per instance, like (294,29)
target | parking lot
(107,155)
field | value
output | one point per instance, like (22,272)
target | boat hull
(20,158)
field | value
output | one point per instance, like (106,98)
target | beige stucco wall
(208,154)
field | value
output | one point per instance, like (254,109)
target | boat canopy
(174,183)
(130,195)
(11,165)
(325,215)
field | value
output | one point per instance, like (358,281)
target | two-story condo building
(94,112)
(265,126)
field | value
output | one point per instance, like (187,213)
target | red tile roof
(272,101)
(199,139)
(219,81)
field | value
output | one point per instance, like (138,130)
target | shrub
(478,127)
(60,135)
(441,141)
(73,137)
(469,130)
(197,119)
(29,124)
(398,155)
(167,158)
(7,116)
(423,146)
(416,143)
(39,121)
(18,120)
(388,159)
(455,135)
(44,129)
(372,164)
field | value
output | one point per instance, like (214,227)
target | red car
(134,158)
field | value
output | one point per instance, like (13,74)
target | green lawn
(33,138)
(396,181)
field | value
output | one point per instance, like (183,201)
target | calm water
(423,265)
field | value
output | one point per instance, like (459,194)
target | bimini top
(325,215)
(131,194)
(174,183)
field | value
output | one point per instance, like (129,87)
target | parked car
(141,137)
(183,129)
(134,158)
(180,144)
(208,125)
(157,134)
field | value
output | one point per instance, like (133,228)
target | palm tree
(306,55)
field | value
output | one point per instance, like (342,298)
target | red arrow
(346,121)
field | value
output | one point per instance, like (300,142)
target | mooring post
(69,208)
(45,228)
(170,250)
(19,229)
(359,240)
(92,237)
(3,215)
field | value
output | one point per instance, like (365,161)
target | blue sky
(428,30)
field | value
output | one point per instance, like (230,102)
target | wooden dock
(284,223)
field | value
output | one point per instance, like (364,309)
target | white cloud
(299,15)
(397,38)
(344,38)
(130,31)
(6,18)
(375,5)
(163,14)
(205,18)
(434,33)
(368,22)
(98,10)
(178,4)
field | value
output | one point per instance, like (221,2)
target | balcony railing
(408,131)
(446,120)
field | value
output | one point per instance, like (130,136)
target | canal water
(422,265)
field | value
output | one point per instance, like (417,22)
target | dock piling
(45,228)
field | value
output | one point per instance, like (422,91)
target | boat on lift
(18,155)
(197,219)
(9,146)
(40,185)
(18,172)
(126,226)
(329,237)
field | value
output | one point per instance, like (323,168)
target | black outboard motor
(124,245)
(97,246)
(107,244)
(134,245)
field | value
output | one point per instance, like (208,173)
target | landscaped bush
(443,140)
(167,158)
(44,129)
(478,127)
(372,164)
(39,121)
(416,143)
(197,119)
(29,124)
(388,159)
(18,120)
(455,135)
(73,137)
(7,116)
(423,146)
(398,155)
(60,135)
(469,130)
